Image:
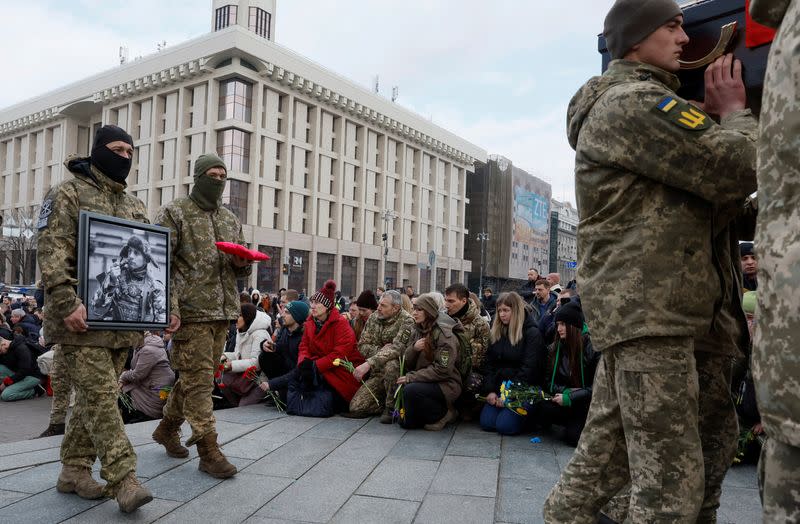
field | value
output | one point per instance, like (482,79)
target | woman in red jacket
(327,336)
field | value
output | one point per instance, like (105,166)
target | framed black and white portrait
(123,273)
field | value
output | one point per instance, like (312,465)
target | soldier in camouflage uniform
(651,170)
(383,341)
(62,389)
(776,353)
(94,359)
(128,292)
(203,301)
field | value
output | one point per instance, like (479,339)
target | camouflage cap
(140,245)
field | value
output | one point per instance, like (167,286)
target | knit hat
(6,334)
(749,302)
(631,21)
(746,248)
(107,134)
(428,304)
(249,315)
(570,314)
(367,300)
(206,162)
(299,310)
(325,296)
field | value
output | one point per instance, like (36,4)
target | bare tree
(18,244)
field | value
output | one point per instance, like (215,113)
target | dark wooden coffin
(703,22)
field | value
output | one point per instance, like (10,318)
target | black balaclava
(106,161)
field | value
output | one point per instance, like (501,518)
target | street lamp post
(388,216)
(482,238)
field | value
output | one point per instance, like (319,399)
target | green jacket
(379,332)
(650,173)
(477,330)
(57,250)
(203,278)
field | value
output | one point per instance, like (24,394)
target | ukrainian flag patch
(667,104)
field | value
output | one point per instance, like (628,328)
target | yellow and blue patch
(682,114)
(667,104)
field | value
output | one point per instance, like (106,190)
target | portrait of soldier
(128,291)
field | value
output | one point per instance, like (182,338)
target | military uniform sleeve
(247,269)
(397,346)
(479,343)
(57,252)
(369,344)
(638,129)
(177,286)
(445,357)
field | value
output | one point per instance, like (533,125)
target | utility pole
(388,216)
(482,238)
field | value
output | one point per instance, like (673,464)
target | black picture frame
(117,295)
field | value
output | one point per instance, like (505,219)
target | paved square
(294,469)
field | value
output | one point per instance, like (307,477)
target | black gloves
(306,369)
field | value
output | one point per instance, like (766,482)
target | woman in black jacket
(19,373)
(515,353)
(570,370)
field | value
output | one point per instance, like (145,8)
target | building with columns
(319,168)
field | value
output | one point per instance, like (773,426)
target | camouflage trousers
(196,350)
(643,429)
(62,387)
(382,383)
(719,431)
(95,429)
(779,482)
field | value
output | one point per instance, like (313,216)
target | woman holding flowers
(516,353)
(142,384)
(252,329)
(327,336)
(569,375)
(433,382)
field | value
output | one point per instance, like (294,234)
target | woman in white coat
(252,328)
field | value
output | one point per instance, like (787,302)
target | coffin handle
(726,35)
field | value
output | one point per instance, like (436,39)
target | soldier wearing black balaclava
(94,359)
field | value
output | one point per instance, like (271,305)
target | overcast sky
(498,73)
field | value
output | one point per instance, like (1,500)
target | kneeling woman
(570,374)
(516,353)
(433,382)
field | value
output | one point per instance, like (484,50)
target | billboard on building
(530,241)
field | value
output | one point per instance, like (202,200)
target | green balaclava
(207,191)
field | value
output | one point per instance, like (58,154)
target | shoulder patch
(44,213)
(444,356)
(682,114)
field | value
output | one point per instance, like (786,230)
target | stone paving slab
(295,470)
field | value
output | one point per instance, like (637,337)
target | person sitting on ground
(481,310)
(432,381)
(366,306)
(547,324)
(252,329)
(19,374)
(352,314)
(569,375)
(22,319)
(408,307)
(459,306)
(545,300)
(383,341)
(278,359)
(326,338)
(149,376)
(516,353)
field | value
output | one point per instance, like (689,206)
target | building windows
(324,268)
(225,16)
(259,22)
(370,274)
(236,100)
(349,275)
(237,201)
(233,146)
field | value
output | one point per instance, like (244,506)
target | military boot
(78,480)
(387,417)
(450,416)
(131,494)
(53,430)
(168,435)
(212,461)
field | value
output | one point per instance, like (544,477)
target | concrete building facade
(563,240)
(318,167)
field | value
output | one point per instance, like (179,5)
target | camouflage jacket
(650,169)
(203,278)
(477,329)
(442,367)
(776,358)
(379,332)
(57,250)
